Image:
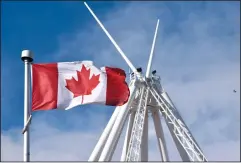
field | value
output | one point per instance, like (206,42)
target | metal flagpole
(27,58)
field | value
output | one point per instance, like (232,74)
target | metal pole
(144,145)
(160,136)
(128,135)
(117,138)
(27,59)
(109,146)
(99,146)
(152,50)
(112,40)
(168,99)
(113,138)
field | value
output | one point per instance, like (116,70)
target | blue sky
(197,56)
(35,26)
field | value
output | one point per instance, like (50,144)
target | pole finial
(27,55)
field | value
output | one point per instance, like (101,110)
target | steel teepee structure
(146,96)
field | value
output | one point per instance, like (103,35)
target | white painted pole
(99,146)
(114,134)
(144,145)
(27,58)
(152,51)
(117,137)
(112,40)
(128,135)
(160,135)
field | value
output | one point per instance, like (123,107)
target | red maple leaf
(83,85)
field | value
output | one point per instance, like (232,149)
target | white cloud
(199,65)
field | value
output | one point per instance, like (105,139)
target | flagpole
(27,59)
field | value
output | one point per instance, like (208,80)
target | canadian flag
(65,85)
